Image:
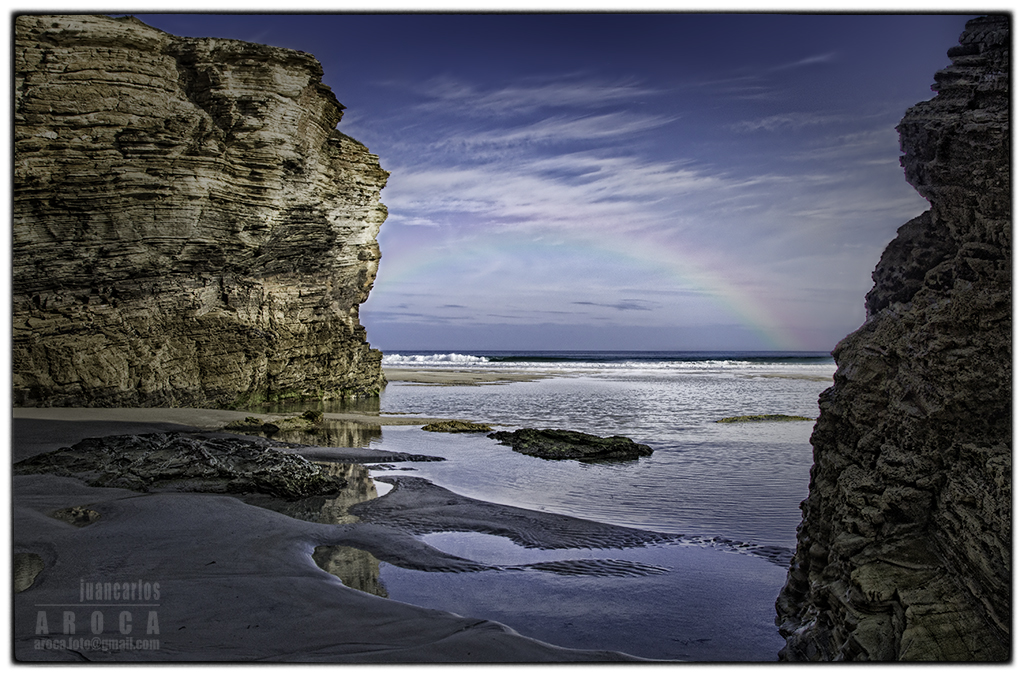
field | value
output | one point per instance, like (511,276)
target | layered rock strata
(190,228)
(904,549)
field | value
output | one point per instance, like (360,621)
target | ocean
(731,491)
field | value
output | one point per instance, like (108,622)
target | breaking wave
(452,358)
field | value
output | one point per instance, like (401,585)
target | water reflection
(357,487)
(369,405)
(330,433)
(356,568)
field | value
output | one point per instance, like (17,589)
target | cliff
(904,549)
(189,228)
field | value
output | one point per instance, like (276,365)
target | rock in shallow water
(307,420)
(553,444)
(456,427)
(768,417)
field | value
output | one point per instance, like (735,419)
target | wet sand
(202,418)
(792,376)
(463,376)
(237,582)
(486,376)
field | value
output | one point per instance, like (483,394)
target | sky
(609,181)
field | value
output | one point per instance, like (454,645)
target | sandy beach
(421,558)
(237,582)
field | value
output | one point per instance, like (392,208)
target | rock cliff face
(904,550)
(190,228)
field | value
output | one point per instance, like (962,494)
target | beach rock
(25,568)
(553,444)
(905,544)
(767,417)
(251,423)
(456,426)
(78,516)
(186,462)
(189,228)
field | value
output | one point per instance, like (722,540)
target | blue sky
(611,181)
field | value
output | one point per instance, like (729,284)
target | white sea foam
(450,359)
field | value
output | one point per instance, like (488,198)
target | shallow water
(708,605)
(709,481)
(741,480)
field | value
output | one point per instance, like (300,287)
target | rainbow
(770,324)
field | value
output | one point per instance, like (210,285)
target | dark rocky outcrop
(568,445)
(25,568)
(78,516)
(186,462)
(765,417)
(904,549)
(189,228)
(456,427)
(255,424)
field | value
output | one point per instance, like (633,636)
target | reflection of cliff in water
(357,486)
(370,405)
(354,567)
(330,433)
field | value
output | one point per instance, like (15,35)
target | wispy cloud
(555,167)
(412,220)
(529,96)
(564,128)
(742,88)
(808,61)
(783,121)
(868,145)
(578,191)
(628,304)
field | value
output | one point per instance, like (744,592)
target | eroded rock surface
(904,550)
(186,462)
(190,229)
(553,444)
(25,568)
(78,516)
